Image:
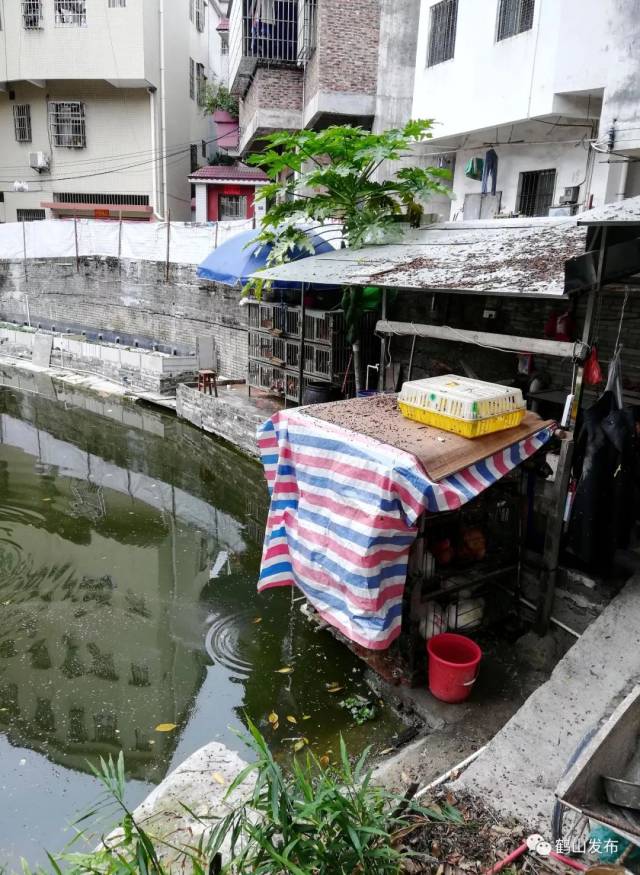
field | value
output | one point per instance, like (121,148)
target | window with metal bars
(442,32)
(307,29)
(117,4)
(192,79)
(194,157)
(233,206)
(535,192)
(199,14)
(201,84)
(224,43)
(67,124)
(514,16)
(270,30)
(32,14)
(31,215)
(71,13)
(75,197)
(22,122)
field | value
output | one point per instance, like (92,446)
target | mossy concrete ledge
(200,785)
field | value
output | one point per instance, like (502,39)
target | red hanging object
(592,370)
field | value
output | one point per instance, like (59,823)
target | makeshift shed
(315,480)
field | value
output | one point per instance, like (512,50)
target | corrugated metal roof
(522,258)
(626,212)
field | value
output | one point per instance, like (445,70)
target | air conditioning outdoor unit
(39,161)
(571,195)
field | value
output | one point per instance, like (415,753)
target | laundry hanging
(490,168)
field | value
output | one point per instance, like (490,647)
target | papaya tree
(331,176)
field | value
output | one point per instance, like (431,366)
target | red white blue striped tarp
(343,515)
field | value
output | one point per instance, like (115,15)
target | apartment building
(303,63)
(101,107)
(547,91)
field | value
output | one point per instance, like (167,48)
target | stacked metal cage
(275,340)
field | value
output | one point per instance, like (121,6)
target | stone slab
(518,773)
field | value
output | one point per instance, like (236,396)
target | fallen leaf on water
(47,499)
(291,719)
(273,718)
(258,620)
(334,689)
(285,670)
(166,727)
(324,761)
(386,751)
(306,716)
(300,743)
(219,779)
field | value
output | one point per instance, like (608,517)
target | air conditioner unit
(571,195)
(39,161)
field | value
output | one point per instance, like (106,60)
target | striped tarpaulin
(343,516)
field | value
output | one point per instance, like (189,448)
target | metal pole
(75,234)
(166,276)
(587,328)
(24,249)
(383,347)
(302,339)
(413,352)
(215,244)
(553,537)
(556,519)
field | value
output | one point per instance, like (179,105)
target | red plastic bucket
(453,666)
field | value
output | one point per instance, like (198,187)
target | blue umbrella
(235,261)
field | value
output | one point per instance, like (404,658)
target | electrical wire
(173,154)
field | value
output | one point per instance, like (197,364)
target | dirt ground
(471,839)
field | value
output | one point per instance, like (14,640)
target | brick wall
(272,88)
(520,317)
(131,301)
(236,423)
(347,46)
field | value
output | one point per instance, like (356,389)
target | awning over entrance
(99,211)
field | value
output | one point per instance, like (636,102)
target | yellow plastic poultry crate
(467,407)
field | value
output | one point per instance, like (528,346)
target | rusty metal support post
(553,536)
(556,517)
(303,314)
(382,378)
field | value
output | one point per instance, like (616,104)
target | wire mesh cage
(275,338)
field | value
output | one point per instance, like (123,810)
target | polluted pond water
(129,619)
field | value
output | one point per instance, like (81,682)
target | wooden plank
(506,342)
(440,452)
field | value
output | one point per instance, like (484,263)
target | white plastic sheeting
(56,238)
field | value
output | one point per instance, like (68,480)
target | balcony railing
(270,30)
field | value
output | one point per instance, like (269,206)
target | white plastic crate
(462,405)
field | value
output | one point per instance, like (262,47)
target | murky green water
(129,551)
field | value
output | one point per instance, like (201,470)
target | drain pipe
(163,112)
(152,90)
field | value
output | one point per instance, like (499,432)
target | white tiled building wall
(539,95)
(111,62)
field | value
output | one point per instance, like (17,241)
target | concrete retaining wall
(130,300)
(225,416)
(141,369)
